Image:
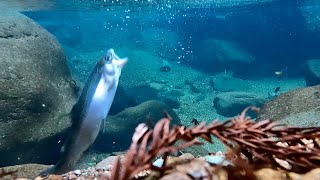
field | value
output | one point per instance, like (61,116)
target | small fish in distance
(274,94)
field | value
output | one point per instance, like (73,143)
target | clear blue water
(275,33)
(247,39)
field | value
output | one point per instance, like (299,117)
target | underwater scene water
(197,60)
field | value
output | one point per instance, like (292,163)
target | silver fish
(89,113)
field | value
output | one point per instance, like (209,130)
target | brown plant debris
(254,145)
(4,173)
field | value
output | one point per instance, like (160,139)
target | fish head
(107,58)
(113,65)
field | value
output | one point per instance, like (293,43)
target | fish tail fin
(48,171)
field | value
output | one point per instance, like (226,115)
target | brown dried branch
(263,142)
(147,144)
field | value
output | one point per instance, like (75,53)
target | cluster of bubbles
(310,10)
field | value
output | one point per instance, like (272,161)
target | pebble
(72,176)
(77,172)
(106,162)
(217,159)
(158,162)
(186,156)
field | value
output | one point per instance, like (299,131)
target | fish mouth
(115,58)
(123,62)
(120,62)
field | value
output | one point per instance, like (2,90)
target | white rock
(77,172)
(158,162)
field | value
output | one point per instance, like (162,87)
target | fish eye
(108,58)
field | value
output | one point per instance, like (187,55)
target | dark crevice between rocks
(7,36)
(46,151)
(25,35)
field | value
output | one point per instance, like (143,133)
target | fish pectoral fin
(111,85)
(109,80)
(103,126)
(63,148)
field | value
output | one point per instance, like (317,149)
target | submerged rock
(165,68)
(120,127)
(35,93)
(296,108)
(172,102)
(216,55)
(312,72)
(140,94)
(192,169)
(107,163)
(225,82)
(121,101)
(29,171)
(231,103)
(223,51)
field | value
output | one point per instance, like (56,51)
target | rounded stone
(299,107)
(35,93)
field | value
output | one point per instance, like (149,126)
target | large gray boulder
(296,108)
(312,72)
(232,103)
(35,93)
